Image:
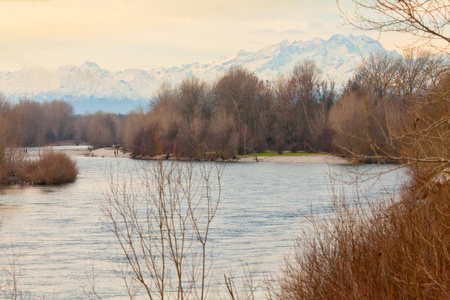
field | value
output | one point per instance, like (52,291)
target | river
(59,238)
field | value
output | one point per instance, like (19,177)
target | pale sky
(120,34)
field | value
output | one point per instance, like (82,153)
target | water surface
(58,233)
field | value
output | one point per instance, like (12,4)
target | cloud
(120,33)
(277,32)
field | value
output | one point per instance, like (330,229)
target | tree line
(241,114)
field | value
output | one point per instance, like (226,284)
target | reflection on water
(56,233)
(9,206)
(59,148)
(25,190)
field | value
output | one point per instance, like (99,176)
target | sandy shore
(101,152)
(310,159)
(107,152)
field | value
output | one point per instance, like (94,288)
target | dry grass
(395,251)
(50,168)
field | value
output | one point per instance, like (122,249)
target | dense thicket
(382,108)
(30,123)
(238,114)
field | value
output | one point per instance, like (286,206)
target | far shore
(308,158)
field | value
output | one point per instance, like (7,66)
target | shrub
(50,168)
(10,161)
(395,251)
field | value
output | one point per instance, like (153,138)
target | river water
(59,238)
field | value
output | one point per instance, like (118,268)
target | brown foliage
(58,116)
(132,124)
(362,127)
(224,136)
(427,138)
(104,129)
(393,251)
(30,123)
(146,142)
(394,116)
(50,168)
(240,114)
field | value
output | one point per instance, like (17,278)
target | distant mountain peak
(90,65)
(336,37)
(285,43)
(242,52)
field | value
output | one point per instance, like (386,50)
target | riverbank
(85,150)
(108,152)
(307,158)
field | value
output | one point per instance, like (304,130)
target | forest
(240,114)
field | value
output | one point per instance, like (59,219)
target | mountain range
(91,88)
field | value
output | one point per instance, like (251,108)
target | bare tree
(401,116)
(162,225)
(302,102)
(420,84)
(417,72)
(193,99)
(10,286)
(59,120)
(377,74)
(105,129)
(426,20)
(242,95)
(133,123)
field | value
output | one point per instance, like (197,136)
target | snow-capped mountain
(89,87)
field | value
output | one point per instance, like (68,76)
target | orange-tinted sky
(119,34)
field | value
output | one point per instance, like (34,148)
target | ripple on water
(57,233)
